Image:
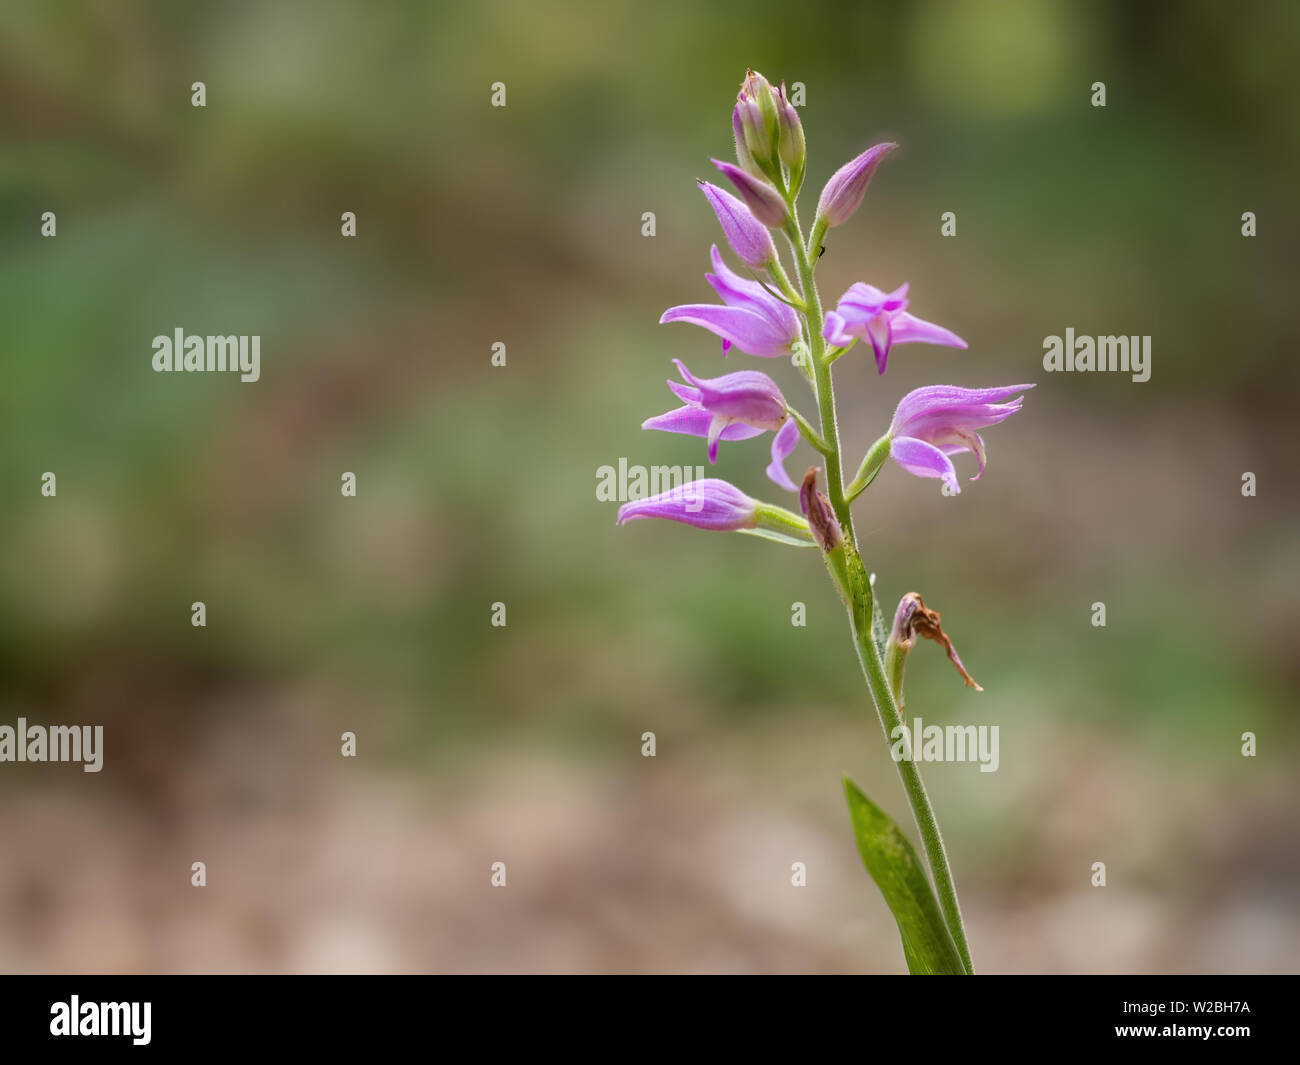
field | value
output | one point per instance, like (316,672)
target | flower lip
(783,445)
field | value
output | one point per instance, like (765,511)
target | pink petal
(750,332)
(783,445)
(695,421)
(924,460)
(908,329)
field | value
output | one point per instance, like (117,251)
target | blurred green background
(476,485)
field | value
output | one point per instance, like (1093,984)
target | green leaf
(893,865)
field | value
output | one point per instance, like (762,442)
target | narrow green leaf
(894,866)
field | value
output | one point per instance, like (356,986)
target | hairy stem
(926,822)
(858,591)
(822,383)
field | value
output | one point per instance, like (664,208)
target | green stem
(856,587)
(822,383)
(926,822)
(815,239)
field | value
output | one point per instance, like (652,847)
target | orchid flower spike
(735,406)
(842,195)
(751,317)
(864,312)
(935,422)
(747,236)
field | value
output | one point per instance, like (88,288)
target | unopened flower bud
(707,503)
(843,194)
(792,148)
(717,506)
(759,121)
(763,201)
(747,236)
(821,517)
(743,157)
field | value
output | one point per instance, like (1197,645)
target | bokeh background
(476,485)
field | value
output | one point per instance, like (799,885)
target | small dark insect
(822,251)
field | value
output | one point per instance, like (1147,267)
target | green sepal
(779,537)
